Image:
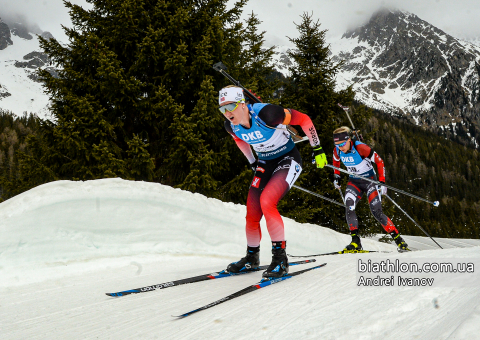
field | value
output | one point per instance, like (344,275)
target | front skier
(263,126)
(358,158)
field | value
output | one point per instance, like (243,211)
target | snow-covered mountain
(20,57)
(64,244)
(402,65)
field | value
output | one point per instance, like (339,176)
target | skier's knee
(350,204)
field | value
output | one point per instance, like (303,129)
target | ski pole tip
(436,203)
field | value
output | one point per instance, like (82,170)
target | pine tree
(311,90)
(136,93)
(18,169)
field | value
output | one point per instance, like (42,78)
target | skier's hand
(320,157)
(335,182)
(383,189)
(253,166)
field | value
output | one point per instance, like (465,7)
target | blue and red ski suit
(279,164)
(358,160)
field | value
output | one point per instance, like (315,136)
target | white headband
(230,94)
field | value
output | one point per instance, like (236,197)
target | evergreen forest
(136,98)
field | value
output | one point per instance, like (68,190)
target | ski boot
(355,244)
(402,246)
(251,262)
(279,265)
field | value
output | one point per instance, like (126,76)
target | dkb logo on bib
(252,136)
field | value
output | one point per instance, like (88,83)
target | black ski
(194,279)
(249,289)
(341,252)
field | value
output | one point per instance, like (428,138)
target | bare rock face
(401,64)
(5,36)
(46,35)
(21,30)
(3,92)
(34,60)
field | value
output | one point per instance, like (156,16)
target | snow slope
(64,244)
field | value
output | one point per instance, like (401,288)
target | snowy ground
(64,244)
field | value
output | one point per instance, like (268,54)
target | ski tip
(133,291)
(182,316)
(114,294)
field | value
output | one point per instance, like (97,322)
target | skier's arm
(367,152)
(242,145)
(274,115)
(336,162)
(298,118)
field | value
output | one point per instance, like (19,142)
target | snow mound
(64,244)
(60,227)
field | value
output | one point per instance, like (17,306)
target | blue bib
(268,143)
(355,163)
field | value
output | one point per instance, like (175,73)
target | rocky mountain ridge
(402,65)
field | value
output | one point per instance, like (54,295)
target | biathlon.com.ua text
(418,272)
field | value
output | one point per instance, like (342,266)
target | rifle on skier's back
(252,98)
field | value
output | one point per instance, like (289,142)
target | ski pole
(344,108)
(435,203)
(341,195)
(413,220)
(318,195)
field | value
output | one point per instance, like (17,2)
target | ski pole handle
(435,203)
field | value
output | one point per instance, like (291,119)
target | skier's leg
(352,197)
(252,228)
(387,224)
(376,208)
(284,176)
(254,215)
(286,172)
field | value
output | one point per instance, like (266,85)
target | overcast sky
(47,15)
(459,18)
